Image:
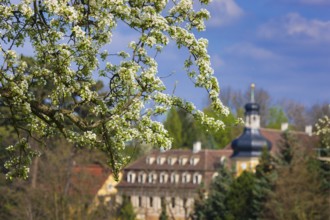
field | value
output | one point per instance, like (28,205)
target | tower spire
(252,93)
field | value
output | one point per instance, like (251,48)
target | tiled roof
(88,179)
(274,136)
(208,159)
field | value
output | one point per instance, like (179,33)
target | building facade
(169,179)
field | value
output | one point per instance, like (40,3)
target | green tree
(301,189)
(190,129)
(126,210)
(199,212)
(265,177)
(163,215)
(220,138)
(298,192)
(241,197)
(323,131)
(185,130)
(55,189)
(173,125)
(276,117)
(216,203)
(286,145)
(68,39)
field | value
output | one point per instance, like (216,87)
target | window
(222,160)
(183,160)
(194,160)
(140,201)
(244,166)
(171,160)
(162,202)
(150,160)
(185,177)
(151,202)
(173,202)
(174,178)
(131,177)
(185,202)
(163,177)
(160,160)
(152,177)
(197,178)
(141,177)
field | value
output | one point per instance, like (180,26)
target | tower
(248,147)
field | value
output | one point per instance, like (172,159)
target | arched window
(197,178)
(163,177)
(185,177)
(152,177)
(174,177)
(142,177)
(131,177)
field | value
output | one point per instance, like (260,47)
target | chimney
(284,126)
(309,130)
(197,147)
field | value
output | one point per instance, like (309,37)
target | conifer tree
(240,198)
(216,202)
(264,182)
(173,125)
(286,146)
(163,215)
(199,204)
(126,210)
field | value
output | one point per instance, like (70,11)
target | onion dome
(251,142)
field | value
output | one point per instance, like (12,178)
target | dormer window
(152,177)
(161,160)
(130,177)
(163,177)
(194,160)
(222,160)
(142,177)
(197,178)
(185,177)
(171,160)
(183,160)
(150,160)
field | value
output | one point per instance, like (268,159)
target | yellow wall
(248,164)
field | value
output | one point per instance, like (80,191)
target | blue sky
(283,46)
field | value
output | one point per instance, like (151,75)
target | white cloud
(224,12)
(251,51)
(294,26)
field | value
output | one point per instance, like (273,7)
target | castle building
(171,179)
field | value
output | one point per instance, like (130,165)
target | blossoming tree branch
(68,40)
